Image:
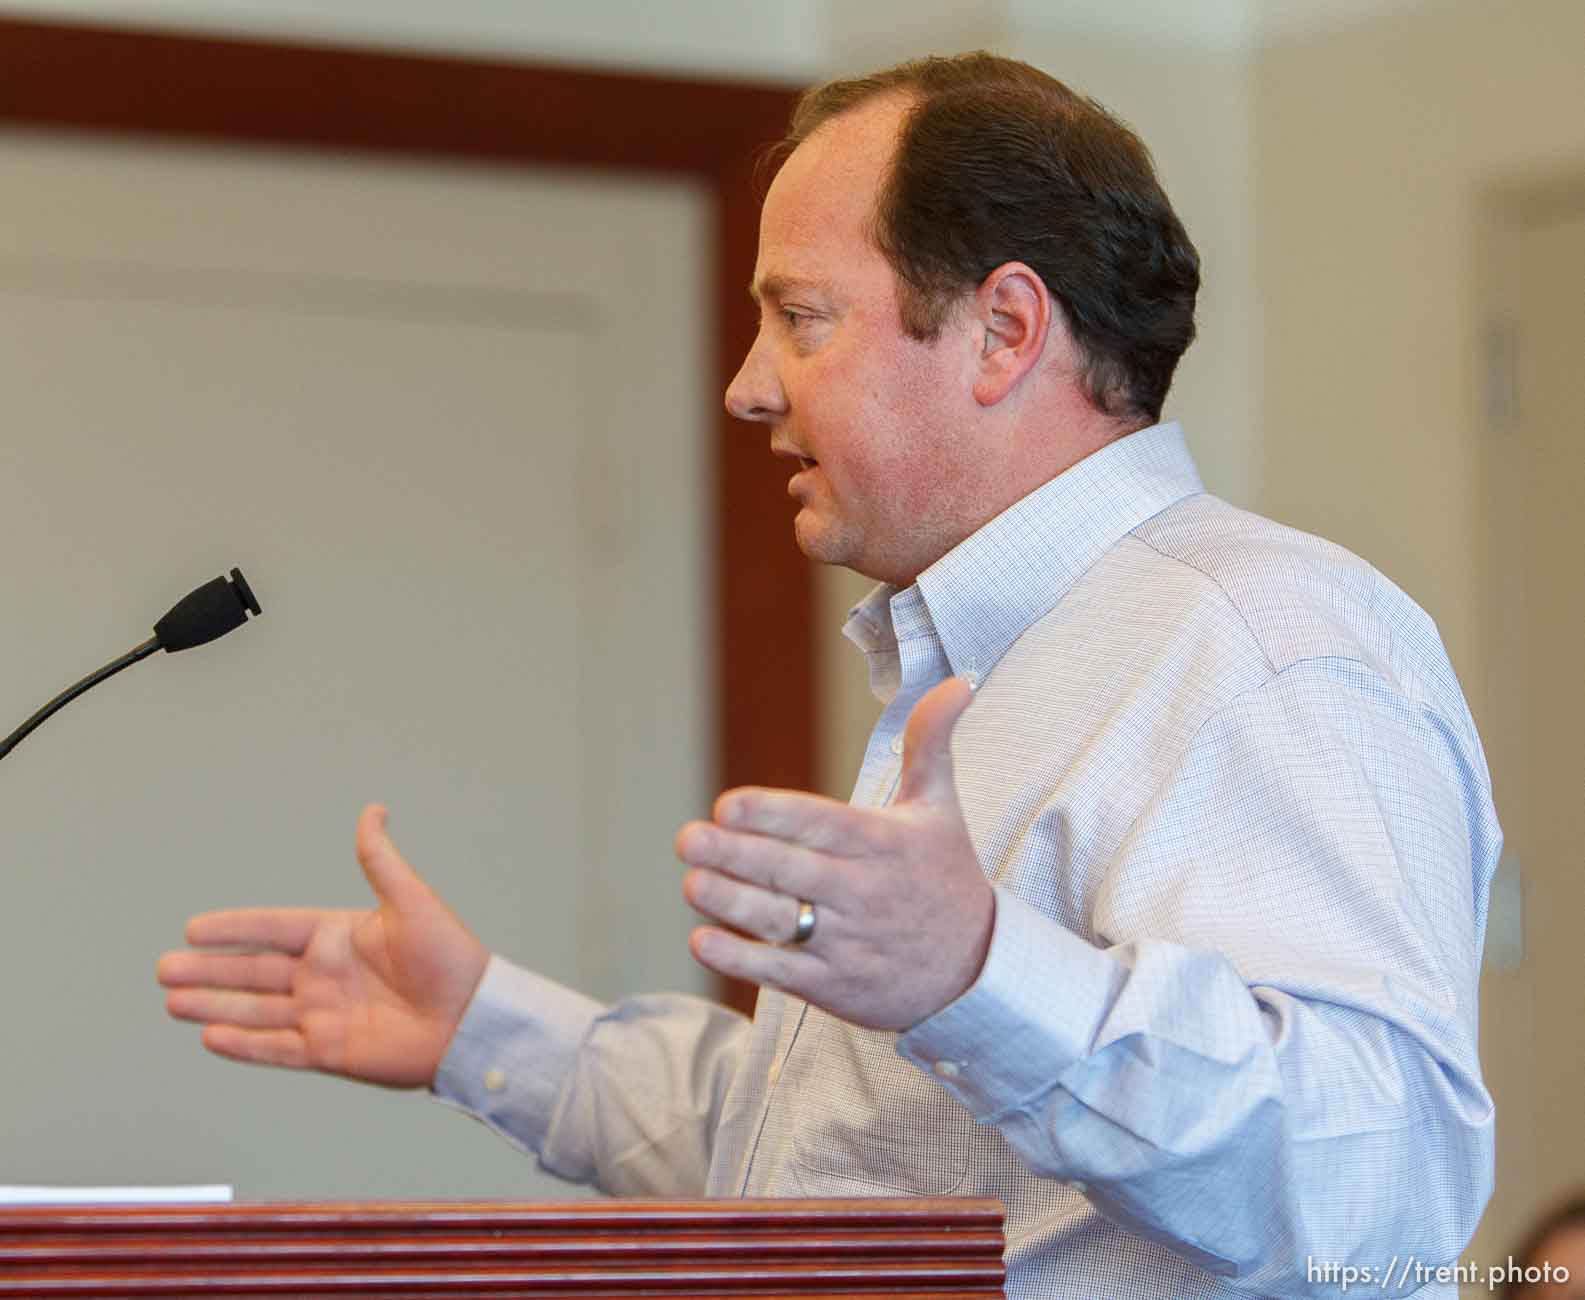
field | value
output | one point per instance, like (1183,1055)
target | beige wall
(1377,150)
(1374,148)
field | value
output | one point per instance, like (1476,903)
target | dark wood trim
(898,1248)
(187,87)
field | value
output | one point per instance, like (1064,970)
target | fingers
(729,954)
(240,1010)
(783,868)
(277,929)
(289,929)
(903,912)
(927,745)
(389,874)
(281,1047)
(244,991)
(261,973)
(771,916)
(811,820)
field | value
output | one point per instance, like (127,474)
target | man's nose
(755,393)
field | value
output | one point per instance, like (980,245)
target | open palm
(373,995)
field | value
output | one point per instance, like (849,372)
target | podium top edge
(876,1212)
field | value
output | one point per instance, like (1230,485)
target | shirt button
(973,679)
(897,744)
(948,1069)
(494,1079)
(774,1072)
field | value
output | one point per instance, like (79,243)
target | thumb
(927,745)
(390,876)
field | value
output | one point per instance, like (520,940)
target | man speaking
(1157,909)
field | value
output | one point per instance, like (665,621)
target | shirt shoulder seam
(1232,604)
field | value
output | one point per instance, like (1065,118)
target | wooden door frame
(117,81)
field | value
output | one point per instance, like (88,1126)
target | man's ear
(1015,314)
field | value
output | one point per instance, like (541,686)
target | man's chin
(817,540)
(832,547)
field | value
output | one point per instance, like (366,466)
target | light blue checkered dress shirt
(1241,833)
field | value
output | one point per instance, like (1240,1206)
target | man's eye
(793,318)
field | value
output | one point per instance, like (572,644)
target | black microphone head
(245,592)
(207,612)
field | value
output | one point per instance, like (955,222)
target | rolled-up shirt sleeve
(1264,1053)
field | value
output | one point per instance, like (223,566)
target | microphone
(200,616)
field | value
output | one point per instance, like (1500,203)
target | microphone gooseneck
(203,614)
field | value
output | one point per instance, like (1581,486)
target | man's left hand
(903,912)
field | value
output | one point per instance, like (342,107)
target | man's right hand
(373,995)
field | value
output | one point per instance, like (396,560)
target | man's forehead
(821,204)
(851,149)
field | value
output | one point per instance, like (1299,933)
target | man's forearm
(626,1097)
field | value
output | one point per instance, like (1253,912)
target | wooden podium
(491,1251)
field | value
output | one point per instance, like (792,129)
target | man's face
(877,421)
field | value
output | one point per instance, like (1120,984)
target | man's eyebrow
(777,287)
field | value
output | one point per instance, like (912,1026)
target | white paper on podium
(207,1194)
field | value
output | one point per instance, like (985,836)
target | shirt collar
(980,596)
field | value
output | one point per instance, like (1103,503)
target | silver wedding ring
(806,922)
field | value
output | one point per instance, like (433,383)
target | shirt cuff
(514,1050)
(1035,1009)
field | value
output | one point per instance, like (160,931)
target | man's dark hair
(997,162)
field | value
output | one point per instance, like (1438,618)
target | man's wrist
(1033,1011)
